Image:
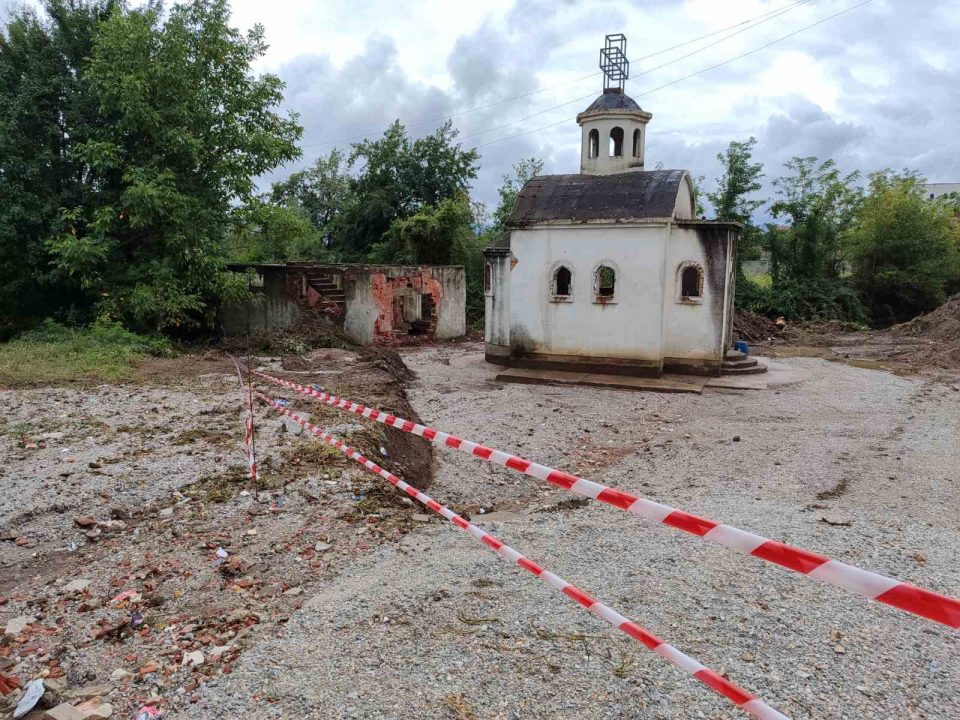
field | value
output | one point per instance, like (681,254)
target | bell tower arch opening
(613,119)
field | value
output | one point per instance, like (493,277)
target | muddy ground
(339,599)
(135,487)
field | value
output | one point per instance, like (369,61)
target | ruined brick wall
(375,304)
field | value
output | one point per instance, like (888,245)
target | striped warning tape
(902,595)
(753,705)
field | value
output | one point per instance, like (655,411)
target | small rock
(839,649)
(119,674)
(736,438)
(85,521)
(322,546)
(747,657)
(193,659)
(64,711)
(166,512)
(293,591)
(421,517)
(95,710)
(17,625)
(112,525)
(76,586)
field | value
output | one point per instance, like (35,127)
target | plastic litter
(383,451)
(149,711)
(33,692)
(281,402)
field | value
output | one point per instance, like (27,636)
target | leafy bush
(814,299)
(904,251)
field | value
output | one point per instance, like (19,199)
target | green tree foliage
(397,177)
(512,184)
(155,126)
(820,205)
(434,235)
(319,192)
(267,232)
(46,112)
(731,200)
(904,251)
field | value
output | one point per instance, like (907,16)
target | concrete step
(735,355)
(755,369)
(744,363)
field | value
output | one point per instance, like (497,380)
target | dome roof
(613,100)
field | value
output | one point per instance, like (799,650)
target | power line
(645,72)
(698,72)
(751,22)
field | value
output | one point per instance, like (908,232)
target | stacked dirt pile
(755,329)
(941,331)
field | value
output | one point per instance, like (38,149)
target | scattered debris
(31,696)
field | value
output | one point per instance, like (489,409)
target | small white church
(609,271)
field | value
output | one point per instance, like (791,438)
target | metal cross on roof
(613,62)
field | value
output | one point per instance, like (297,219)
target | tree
(319,192)
(820,204)
(396,177)
(512,184)
(158,136)
(46,112)
(434,234)
(731,200)
(268,232)
(904,251)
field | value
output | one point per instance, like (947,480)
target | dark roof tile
(579,198)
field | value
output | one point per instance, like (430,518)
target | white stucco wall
(628,328)
(603,164)
(694,330)
(648,321)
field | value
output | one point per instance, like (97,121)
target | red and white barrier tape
(753,705)
(902,595)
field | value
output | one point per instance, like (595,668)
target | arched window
(690,282)
(487,278)
(604,283)
(593,144)
(616,142)
(562,277)
(637,136)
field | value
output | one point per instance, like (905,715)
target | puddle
(831,354)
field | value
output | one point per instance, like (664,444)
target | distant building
(935,190)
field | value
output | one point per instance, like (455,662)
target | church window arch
(690,283)
(616,142)
(593,143)
(637,138)
(605,278)
(561,283)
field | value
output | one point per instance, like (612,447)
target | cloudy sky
(876,87)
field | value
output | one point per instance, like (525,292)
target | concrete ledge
(666,383)
(692,366)
(581,364)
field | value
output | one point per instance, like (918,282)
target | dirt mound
(941,324)
(753,328)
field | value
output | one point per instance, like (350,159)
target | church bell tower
(614,127)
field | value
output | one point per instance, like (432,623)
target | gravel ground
(853,463)
(137,558)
